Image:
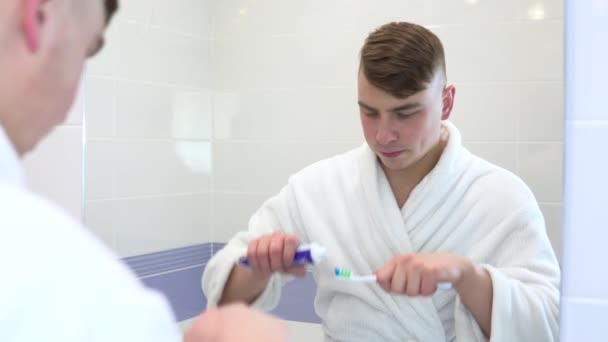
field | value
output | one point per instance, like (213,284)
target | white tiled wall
(149,106)
(585,290)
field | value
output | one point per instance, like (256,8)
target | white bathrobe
(465,205)
(58,283)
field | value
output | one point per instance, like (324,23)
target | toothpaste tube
(308,254)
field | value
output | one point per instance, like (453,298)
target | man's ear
(31,22)
(448,101)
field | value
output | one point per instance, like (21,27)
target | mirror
(198,111)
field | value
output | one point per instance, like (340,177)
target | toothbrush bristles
(344,273)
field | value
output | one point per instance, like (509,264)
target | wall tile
(501,154)
(146,225)
(541,167)
(253,166)
(163,112)
(319,114)
(54,169)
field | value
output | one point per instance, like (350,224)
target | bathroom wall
(148,128)
(585,290)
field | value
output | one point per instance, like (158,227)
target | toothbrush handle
(243,261)
(309,254)
(444,286)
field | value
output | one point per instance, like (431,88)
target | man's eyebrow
(368,107)
(405,107)
(408,106)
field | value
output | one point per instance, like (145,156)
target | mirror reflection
(423,153)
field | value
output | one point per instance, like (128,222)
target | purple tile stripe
(177,274)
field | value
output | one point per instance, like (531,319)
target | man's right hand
(274,253)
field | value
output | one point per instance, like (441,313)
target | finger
(428,284)
(298,271)
(263,254)
(413,280)
(399,280)
(252,256)
(276,253)
(384,276)
(290,245)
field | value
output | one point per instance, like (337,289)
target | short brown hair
(111,6)
(402,58)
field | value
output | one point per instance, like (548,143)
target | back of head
(402,58)
(43,47)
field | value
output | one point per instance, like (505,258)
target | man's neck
(9,131)
(404,181)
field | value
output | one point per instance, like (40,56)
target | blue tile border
(177,274)
(183,290)
(170,260)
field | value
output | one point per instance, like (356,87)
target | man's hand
(236,323)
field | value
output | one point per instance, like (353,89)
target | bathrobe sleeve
(525,279)
(277,214)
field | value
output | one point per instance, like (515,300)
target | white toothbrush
(347,275)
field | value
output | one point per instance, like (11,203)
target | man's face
(47,73)
(402,130)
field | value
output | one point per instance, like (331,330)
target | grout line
(174,270)
(160,196)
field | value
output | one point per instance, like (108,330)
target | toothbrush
(308,254)
(347,275)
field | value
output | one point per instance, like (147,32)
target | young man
(58,282)
(412,206)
